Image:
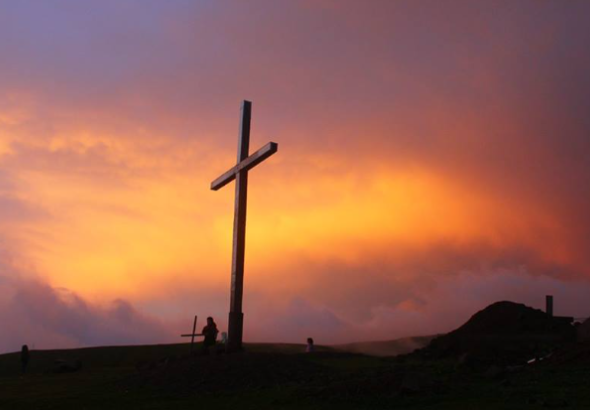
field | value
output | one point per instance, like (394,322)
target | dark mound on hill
(513,319)
(583,331)
(572,354)
(503,333)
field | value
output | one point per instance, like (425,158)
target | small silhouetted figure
(210,332)
(310,347)
(24,357)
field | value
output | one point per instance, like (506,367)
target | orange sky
(426,152)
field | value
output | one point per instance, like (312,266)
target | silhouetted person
(210,332)
(310,348)
(24,357)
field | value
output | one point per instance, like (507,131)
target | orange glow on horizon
(129,234)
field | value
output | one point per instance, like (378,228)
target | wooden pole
(193,333)
(236,316)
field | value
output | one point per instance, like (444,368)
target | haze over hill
(387,347)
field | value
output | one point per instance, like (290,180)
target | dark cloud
(34,313)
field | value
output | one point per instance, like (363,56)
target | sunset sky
(434,157)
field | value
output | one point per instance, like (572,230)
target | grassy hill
(278,376)
(92,358)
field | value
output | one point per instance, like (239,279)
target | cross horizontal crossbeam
(245,165)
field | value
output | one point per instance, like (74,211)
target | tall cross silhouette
(240,173)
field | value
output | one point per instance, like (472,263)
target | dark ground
(481,365)
(279,377)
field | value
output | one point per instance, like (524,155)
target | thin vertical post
(549,305)
(193,333)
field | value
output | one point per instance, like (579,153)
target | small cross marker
(193,334)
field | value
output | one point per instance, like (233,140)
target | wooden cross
(240,173)
(193,334)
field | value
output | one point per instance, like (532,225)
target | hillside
(280,376)
(43,361)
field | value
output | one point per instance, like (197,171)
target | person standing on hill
(210,332)
(310,348)
(24,358)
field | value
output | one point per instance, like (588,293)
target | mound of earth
(571,354)
(584,331)
(503,333)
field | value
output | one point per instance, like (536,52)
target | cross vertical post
(193,333)
(240,173)
(236,316)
